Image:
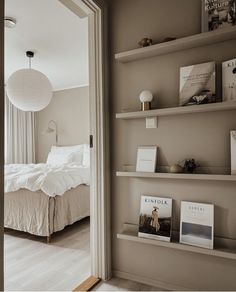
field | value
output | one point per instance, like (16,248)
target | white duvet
(52,180)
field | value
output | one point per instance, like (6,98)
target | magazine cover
(197,84)
(155,218)
(229,80)
(233,152)
(197,224)
(219,14)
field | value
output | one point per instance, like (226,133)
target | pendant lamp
(29,89)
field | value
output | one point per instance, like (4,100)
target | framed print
(146,158)
(197,224)
(218,14)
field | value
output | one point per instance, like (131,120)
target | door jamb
(100,238)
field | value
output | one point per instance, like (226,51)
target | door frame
(99,127)
(100,238)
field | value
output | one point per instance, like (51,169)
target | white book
(197,84)
(229,80)
(146,158)
(197,224)
(233,151)
(155,218)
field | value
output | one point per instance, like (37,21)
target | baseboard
(147,281)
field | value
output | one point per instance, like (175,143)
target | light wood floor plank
(32,264)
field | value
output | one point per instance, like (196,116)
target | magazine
(155,218)
(197,84)
(197,224)
(233,152)
(229,80)
(218,14)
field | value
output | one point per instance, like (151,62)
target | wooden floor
(32,264)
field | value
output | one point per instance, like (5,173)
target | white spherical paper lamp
(29,90)
(146,97)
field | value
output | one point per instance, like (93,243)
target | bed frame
(41,215)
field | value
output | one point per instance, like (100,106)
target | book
(233,151)
(197,84)
(229,80)
(155,218)
(197,224)
(218,14)
(146,158)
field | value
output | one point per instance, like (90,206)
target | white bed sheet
(51,179)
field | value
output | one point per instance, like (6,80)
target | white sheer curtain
(19,135)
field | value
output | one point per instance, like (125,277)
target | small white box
(233,152)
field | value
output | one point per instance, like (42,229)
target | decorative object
(176,168)
(146,158)
(233,152)
(52,127)
(155,218)
(197,224)
(146,97)
(190,165)
(229,80)
(217,14)
(197,84)
(29,89)
(145,42)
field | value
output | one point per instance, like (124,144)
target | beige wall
(70,109)
(1,137)
(202,136)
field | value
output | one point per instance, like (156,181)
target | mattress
(39,214)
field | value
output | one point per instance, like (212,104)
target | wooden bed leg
(49,239)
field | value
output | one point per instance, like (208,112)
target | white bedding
(51,179)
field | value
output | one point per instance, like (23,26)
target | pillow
(60,158)
(76,150)
(86,156)
(67,148)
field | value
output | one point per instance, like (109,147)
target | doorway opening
(59,121)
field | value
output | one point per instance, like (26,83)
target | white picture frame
(146,159)
(233,151)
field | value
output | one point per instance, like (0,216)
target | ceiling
(58,37)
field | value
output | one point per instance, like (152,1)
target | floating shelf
(197,40)
(203,108)
(185,176)
(218,252)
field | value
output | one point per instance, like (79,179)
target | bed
(44,198)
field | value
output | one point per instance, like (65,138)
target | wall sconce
(52,127)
